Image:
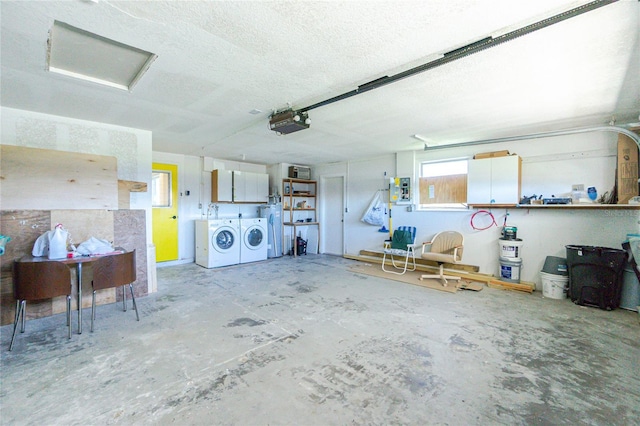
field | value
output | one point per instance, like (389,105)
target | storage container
(630,293)
(510,269)
(555,265)
(510,249)
(595,275)
(554,286)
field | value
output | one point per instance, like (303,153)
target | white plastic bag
(94,246)
(41,246)
(57,240)
(374,215)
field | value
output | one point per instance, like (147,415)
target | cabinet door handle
(173,217)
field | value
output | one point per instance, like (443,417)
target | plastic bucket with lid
(555,265)
(510,269)
(554,286)
(510,249)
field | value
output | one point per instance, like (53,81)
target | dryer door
(255,238)
(224,239)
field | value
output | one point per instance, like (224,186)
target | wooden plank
(124,196)
(84,224)
(24,227)
(522,286)
(133,186)
(627,169)
(489,280)
(420,261)
(129,230)
(491,154)
(421,266)
(43,179)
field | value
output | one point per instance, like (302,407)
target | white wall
(194,175)
(131,147)
(550,166)
(363,178)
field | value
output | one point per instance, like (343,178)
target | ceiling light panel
(77,53)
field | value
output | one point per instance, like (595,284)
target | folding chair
(401,246)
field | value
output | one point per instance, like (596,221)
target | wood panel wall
(40,188)
(443,189)
(44,179)
(125,228)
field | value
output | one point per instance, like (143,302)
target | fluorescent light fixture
(80,54)
(421,138)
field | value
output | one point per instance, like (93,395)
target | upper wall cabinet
(249,187)
(495,180)
(229,186)
(221,186)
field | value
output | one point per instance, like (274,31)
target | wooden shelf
(559,206)
(293,190)
(492,206)
(296,180)
(580,206)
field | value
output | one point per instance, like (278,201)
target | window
(443,183)
(161,189)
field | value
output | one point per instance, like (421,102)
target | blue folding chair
(401,246)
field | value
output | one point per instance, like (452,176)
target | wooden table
(78,262)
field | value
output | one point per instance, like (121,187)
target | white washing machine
(254,239)
(218,242)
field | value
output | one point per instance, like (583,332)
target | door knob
(173,217)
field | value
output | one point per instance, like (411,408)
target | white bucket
(510,270)
(510,248)
(554,286)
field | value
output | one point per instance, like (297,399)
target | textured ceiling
(218,60)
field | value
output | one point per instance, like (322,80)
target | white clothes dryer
(254,239)
(218,242)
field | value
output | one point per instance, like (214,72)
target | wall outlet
(577,187)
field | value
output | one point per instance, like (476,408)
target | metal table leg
(79,277)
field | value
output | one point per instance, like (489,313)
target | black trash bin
(595,275)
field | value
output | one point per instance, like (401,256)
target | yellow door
(164,198)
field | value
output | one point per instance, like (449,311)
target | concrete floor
(306,341)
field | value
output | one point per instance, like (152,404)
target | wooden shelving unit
(299,206)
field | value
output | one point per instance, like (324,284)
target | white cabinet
(494,180)
(221,186)
(229,186)
(250,187)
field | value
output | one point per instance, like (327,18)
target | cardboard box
(627,169)
(491,154)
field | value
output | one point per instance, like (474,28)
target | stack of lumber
(467,272)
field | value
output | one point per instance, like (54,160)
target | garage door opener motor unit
(289,121)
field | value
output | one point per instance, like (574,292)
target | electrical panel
(400,190)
